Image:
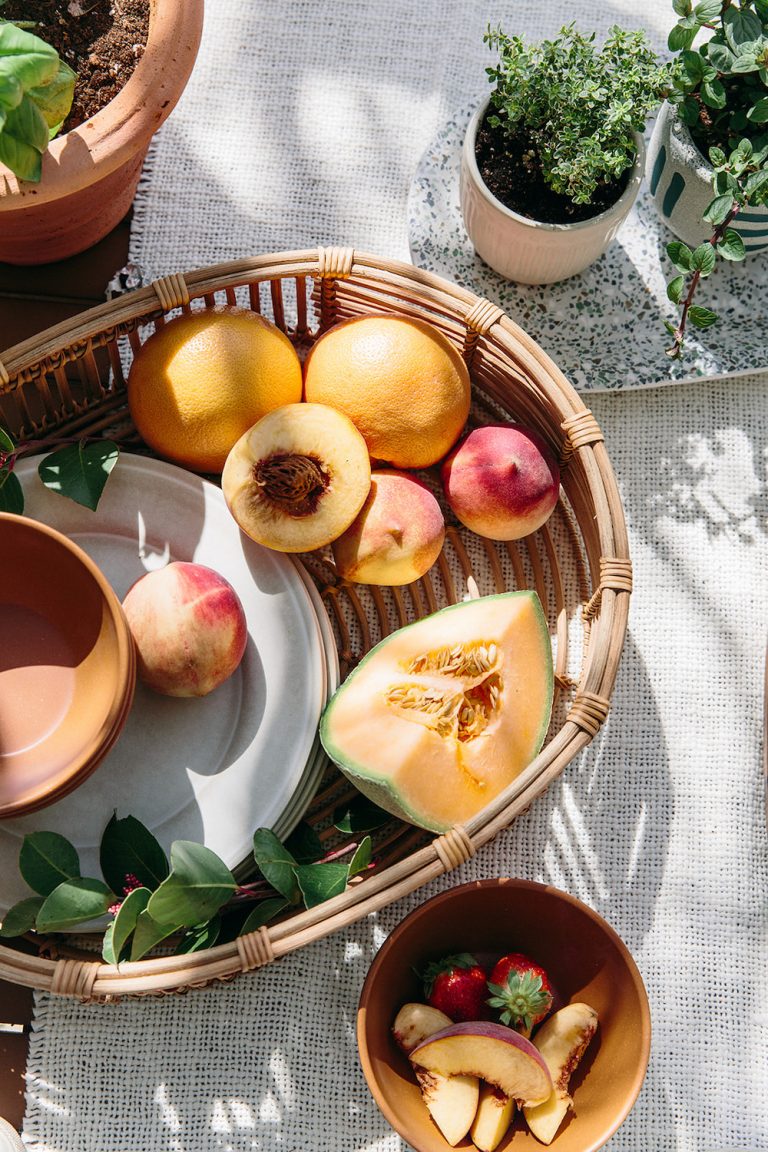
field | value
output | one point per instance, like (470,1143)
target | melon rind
(361,736)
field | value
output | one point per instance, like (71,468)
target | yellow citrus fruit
(200,381)
(400,381)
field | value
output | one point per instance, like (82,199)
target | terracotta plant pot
(529,251)
(680,180)
(90,174)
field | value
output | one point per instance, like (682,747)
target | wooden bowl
(586,961)
(67,666)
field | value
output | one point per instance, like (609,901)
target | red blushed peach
(502,481)
(188,626)
(397,535)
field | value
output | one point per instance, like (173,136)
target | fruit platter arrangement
(373,559)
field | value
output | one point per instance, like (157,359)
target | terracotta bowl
(67,665)
(586,961)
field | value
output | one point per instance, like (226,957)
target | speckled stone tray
(604,328)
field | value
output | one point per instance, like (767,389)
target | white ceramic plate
(211,769)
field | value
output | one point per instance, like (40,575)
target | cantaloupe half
(443,714)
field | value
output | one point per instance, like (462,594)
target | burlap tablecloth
(303,124)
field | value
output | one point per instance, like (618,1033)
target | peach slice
(491,1052)
(492,1119)
(451,1100)
(298,478)
(562,1041)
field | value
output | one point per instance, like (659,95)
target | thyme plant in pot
(708,156)
(88,175)
(553,159)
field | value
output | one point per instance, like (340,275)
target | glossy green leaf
(707,10)
(276,864)
(694,64)
(718,209)
(682,36)
(756,186)
(304,844)
(23,160)
(198,884)
(720,56)
(359,815)
(262,914)
(758,113)
(27,57)
(7,443)
(203,936)
(713,94)
(46,859)
(129,849)
(741,26)
(675,289)
(689,111)
(11,492)
(148,933)
(701,317)
(22,916)
(731,246)
(121,929)
(680,255)
(319,882)
(80,471)
(74,902)
(54,99)
(682,7)
(361,858)
(704,259)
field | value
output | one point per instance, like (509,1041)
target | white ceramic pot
(680,180)
(529,251)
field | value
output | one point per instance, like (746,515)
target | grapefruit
(399,380)
(204,378)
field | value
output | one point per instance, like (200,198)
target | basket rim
(95,980)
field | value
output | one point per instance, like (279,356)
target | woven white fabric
(302,125)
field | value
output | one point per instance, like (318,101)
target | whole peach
(502,481)
(189,628)
(397,535)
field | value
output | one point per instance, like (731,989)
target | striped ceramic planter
(680,180)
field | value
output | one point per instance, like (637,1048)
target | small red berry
(457,985)
(521,990)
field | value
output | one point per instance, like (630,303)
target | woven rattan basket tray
(70,381)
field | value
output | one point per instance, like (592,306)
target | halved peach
(562,1041)
(492,1119)
(451,1100)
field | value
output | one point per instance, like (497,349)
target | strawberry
(521,990)
(458,986)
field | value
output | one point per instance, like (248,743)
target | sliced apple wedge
(451,1100)
(492,1119)
(562,1041)
(490,1051)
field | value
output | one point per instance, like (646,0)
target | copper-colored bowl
(67,665)
(586,961)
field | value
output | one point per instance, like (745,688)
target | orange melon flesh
(443,714)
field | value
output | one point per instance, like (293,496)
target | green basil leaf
(304,844)
(682,35)
(675,289)
(11,492)
(725,182)
(198,884)
(28,58)
(756,186)
(682,7)
(54,99)
(694,65)
(23,160)
(203,936)
(680,255)
(121,929)
(720,56)
(717,210)
(707,10)
(741,26)
(319,882)
(745,63)
(262,914)
(21,917)
(276,864)
(359,815)
(731,246)
(46,859)
(713,94)
(148,933)
(704,259)
(361,858)
(80,471)
(701,317)
(129,849)
(758,113)
(74,902)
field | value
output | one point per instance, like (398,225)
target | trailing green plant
(77,470)
(578,108)
(36,89)
(720,90)
(190,895)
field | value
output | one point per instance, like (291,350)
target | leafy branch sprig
(739,179)
(191,894)
(77,470)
